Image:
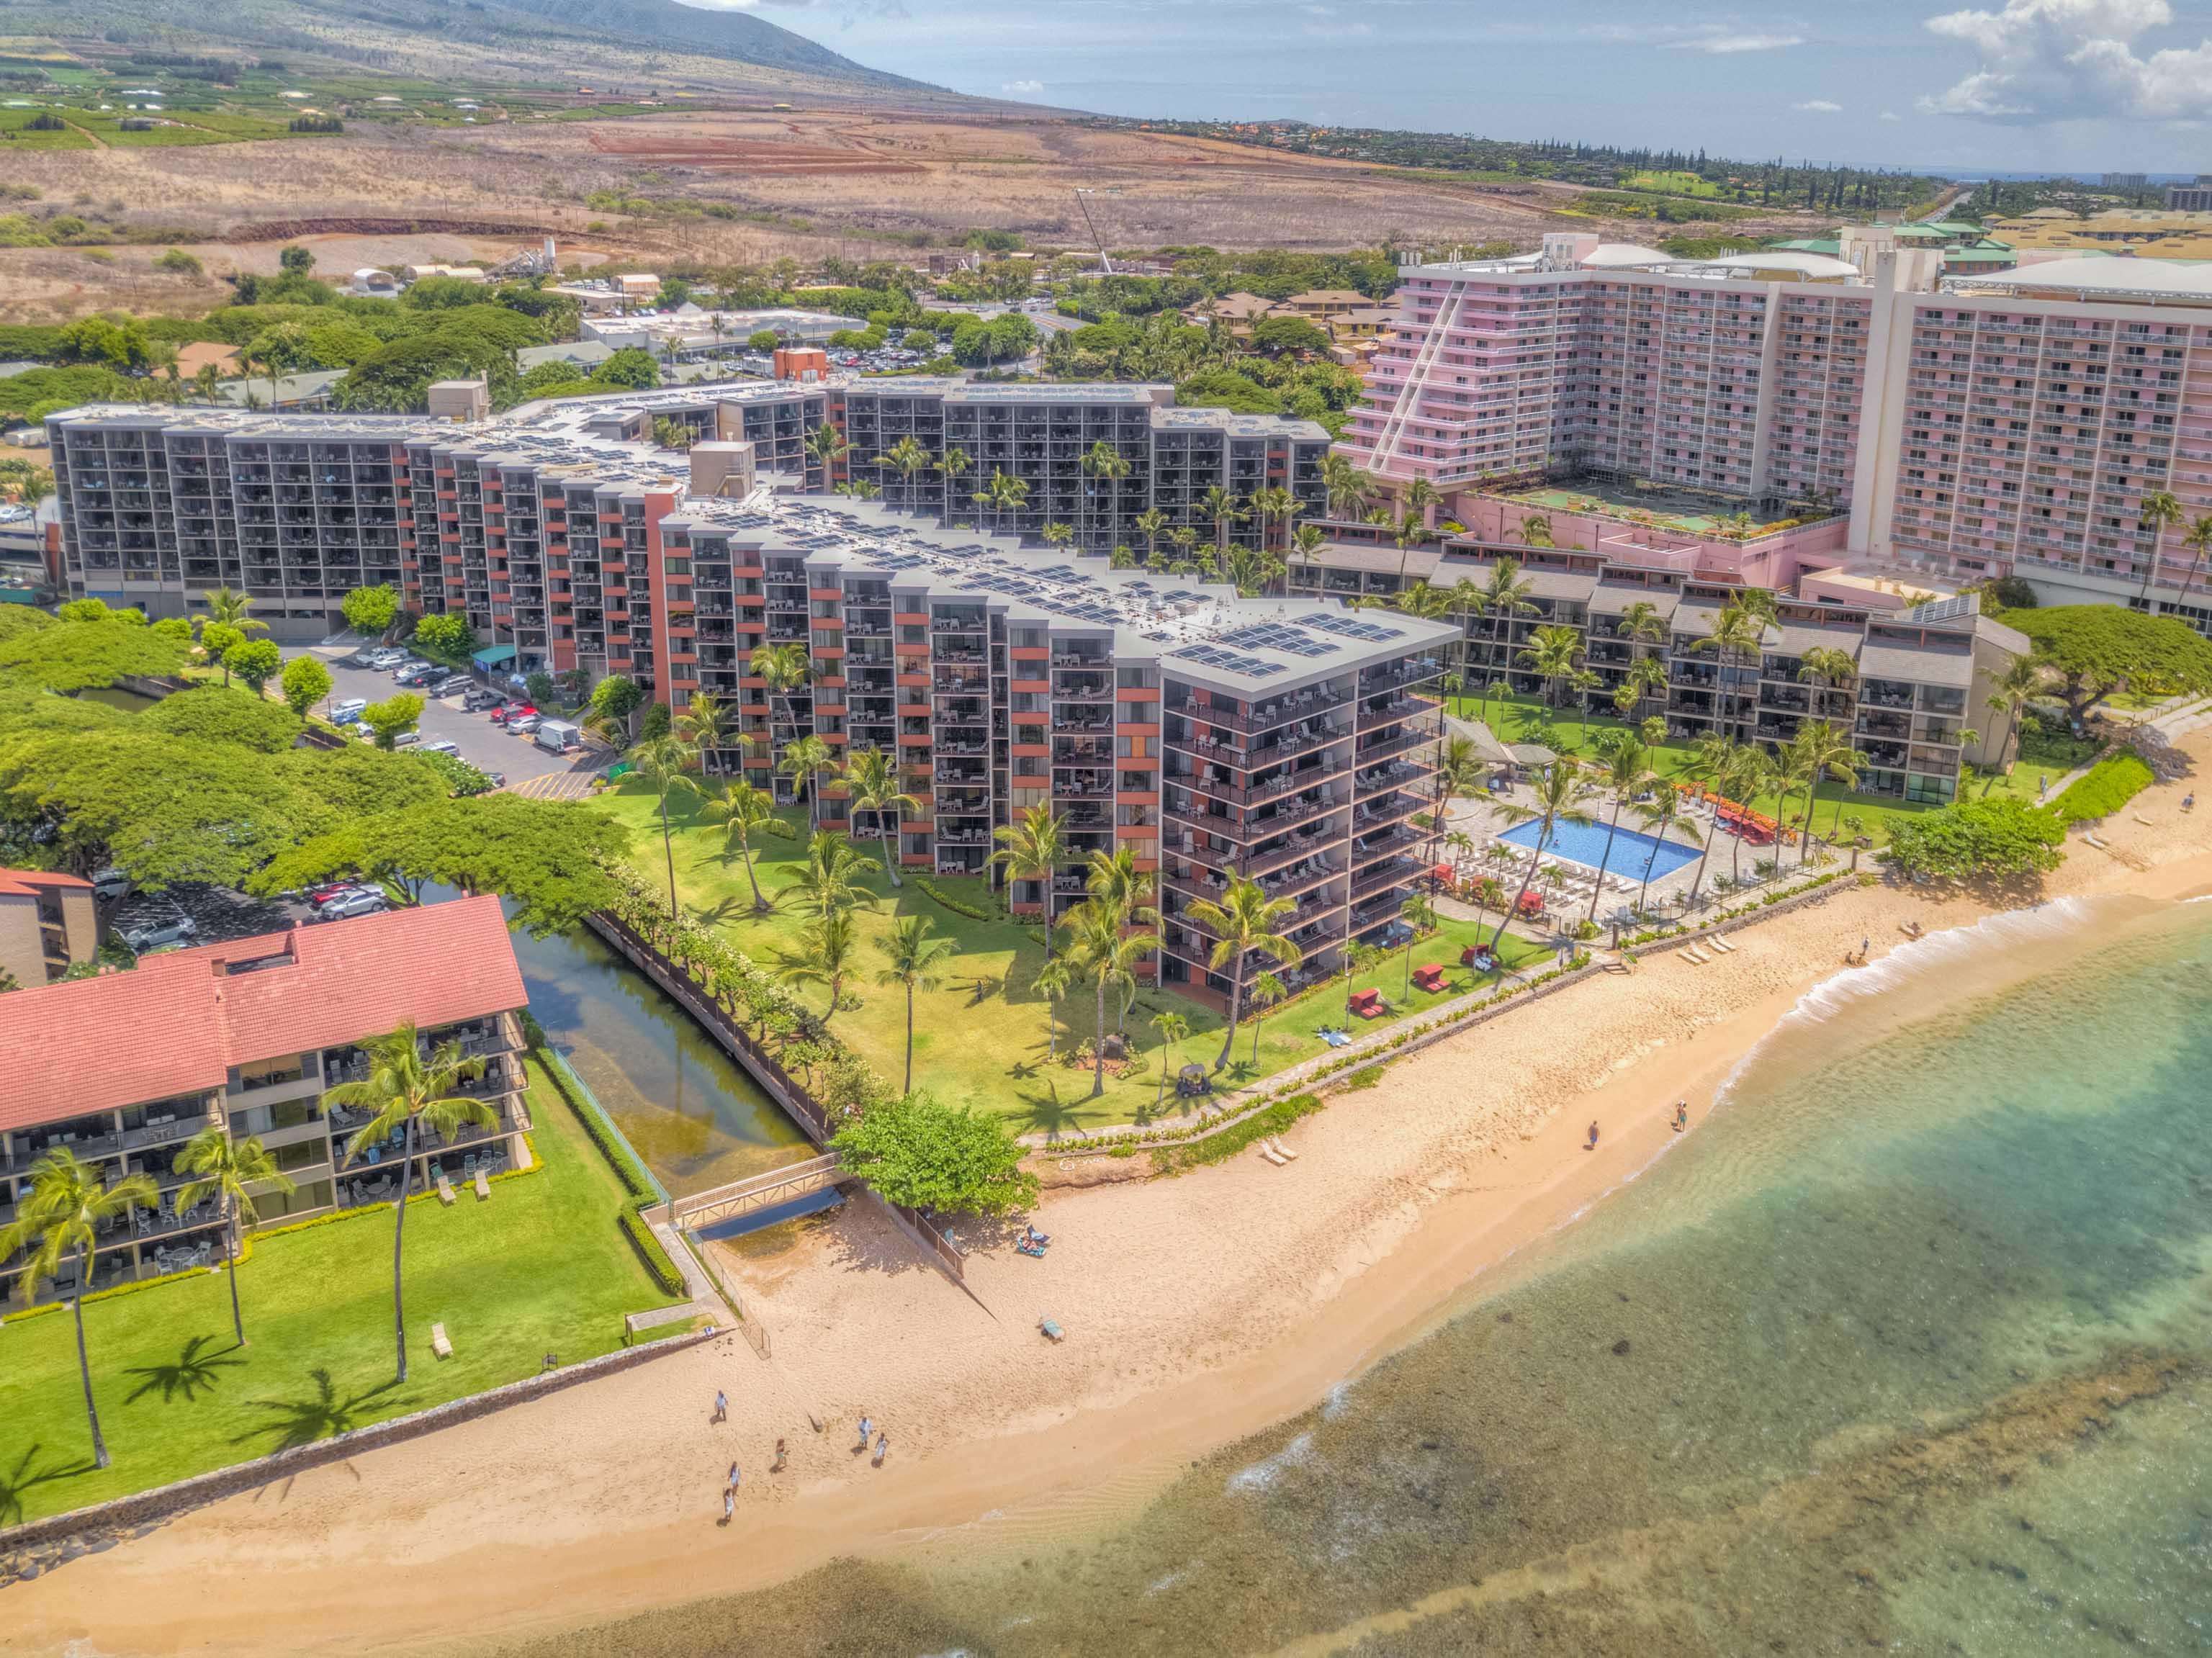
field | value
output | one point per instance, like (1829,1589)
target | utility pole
(1105,264)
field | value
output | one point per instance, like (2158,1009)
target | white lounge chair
(483,1186)
(1282,1150)
(445,1189)
(439,1345)
(1268,1153)
(1723,945)
(1692,956)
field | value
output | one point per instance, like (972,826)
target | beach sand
(1197,1309)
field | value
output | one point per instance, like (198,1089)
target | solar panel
(1373,633)
(1211,656)
(1274,636)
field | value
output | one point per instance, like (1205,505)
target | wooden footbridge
(761,1192)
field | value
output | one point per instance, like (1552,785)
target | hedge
(2104,788)
(958,906)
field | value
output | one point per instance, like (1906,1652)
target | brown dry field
(854,178)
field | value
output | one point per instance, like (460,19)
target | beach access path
(1197,1309)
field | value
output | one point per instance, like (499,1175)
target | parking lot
(528,768)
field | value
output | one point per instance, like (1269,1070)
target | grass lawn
(983,1036)
(540,1268)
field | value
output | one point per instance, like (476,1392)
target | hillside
(637,45)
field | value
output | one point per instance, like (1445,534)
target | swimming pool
(1585,844)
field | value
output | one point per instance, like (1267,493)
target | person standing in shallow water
(1592,1136)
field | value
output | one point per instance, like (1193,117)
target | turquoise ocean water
(1908,1348)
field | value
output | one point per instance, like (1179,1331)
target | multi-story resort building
(123,1069)
(47,925)
(512,520)
(1866,407)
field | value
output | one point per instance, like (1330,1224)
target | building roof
(2116,276)
(1922,667)
(1617,256)
(1812,267)
(178,1022)
(1334,298)
(27,883)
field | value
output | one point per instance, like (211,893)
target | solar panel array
(1373,633)
(1274,636)
(1213,656)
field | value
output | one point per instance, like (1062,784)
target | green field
(540,1268)
(1670,183)
(16,133)
(982,1034)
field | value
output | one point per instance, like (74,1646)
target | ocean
(1907,1347)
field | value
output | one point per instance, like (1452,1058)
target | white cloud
(1729,45)
(1891,115)
(1022,88)
(2073,59)
(1819,106)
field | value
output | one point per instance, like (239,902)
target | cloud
(1891,115)
(1819,106)
(1729,44)
(1022,88)
(2073,60)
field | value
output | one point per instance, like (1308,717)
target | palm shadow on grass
(14,1481)
(321,1414)
(194,1371)
(1052,1116)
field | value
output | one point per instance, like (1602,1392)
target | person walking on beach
(776,1467)
(721,1405)
(734,1480)
(729,1505)
(1592,1137)
(1682,1116)
(867,1432)
(883,1448)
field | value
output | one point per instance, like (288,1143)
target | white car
(386,657)
(161,935)
(442,746)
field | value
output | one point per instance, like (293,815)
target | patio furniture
(445,1190)
(1049,1328)
(1268,1154)
(483,1185)
(1429,977)
(438,1343)
(1368,1004)
(1282,1150)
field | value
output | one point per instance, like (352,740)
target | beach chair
(1050,1330)
(1268,1154)
(1429,977)
(1282,1150)
(483,1186)
(445,1189)
(439,1343)
(1723,946)
(1693,958)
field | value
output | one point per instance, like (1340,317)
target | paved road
(528,768)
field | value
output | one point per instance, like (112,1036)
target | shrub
(958,906)
(635,1180)
(2104,789)
(1218,1148)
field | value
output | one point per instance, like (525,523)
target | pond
(692,1111)
(116,697)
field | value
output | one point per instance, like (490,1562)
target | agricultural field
(1671,183)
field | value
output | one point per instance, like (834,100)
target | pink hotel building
(2002,424)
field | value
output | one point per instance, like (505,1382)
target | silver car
(353,904)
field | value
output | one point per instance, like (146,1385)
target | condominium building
(47,925)
(512,521)
(2006,422)
(122,1070)
(1918,689)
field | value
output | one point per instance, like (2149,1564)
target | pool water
(1634,856)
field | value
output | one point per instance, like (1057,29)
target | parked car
(110,884)
(510,712)
(419,678)
(443,745)
(357,903)
(406,740)
(161,935)
(522,724)
(451,685)
(345,713)
(482,697)
(408,665)
(387,656)
(337,890)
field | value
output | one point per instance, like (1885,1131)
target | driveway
(528,768)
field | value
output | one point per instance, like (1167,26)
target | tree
(1053,982)
(1738,635)
(1535,529)
(306,682)
(1819,751)
(614,699)
(913,959)
(255,661)
(1420,916)
(212,715)
(1560,796)
(1001,496)
(919,1154)
(2096,649)
(2199,540)
(1224,509)
(871,782)
(825,446)
(1627,768)
(762,340)
(663,765)
(2015,688)
(234,608)
(371,610)
(2159,513)
(1658,816)
(223,1169)
(1242,923)
(831,878)
(706,724)
(388,719)
(295,261)
(217,640)
(1554,654)
(539,688)
(1102,950)
(1267,991)
(743,811)
(909,460)
(407,1092)
(1030,849)
(805,760)
(1151,524)
(1348,489)
(827,949)
(1998,837)
(57,1222)
(1173,1028)
(447,633)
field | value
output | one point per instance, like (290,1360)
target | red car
(512,711)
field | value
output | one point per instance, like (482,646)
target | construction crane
(1105,264)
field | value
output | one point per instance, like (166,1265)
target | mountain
(515,41)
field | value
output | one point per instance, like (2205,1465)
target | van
(345,713)
(557,736)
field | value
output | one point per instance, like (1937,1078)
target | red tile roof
(178,1022)
(26,883)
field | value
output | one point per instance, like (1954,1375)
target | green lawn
(540,1268)
(982,1036)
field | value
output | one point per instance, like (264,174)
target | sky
(2061,85)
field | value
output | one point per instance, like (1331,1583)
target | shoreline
(1199,1308)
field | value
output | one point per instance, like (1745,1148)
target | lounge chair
(1723,945)
(1282,1150)
(1691,957)
(483,1186)
(1050,1330)
(439,1345)
(1270,1154)
(445,1189)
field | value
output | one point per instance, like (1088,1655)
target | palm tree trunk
(1098,1040)
(398,1236)
(760,904)
(907,1087)
(1236,1007)
(1514,908)
(230,1266)
(668,850)
(1047,876)
(83,1361)
(1605,857)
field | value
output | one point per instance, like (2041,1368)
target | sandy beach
(1198,1309)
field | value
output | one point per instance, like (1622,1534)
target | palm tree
(1030,849)
(805,761)
(231,609)
(1151,524)
(1059,535)
(1626,764)
(706,724)
(742,811)
(1560,796)
(207,380)
(1115,881)
(1421,499)
(664,765)
(1001,496)
(783,670)
(1663,811)
(1306,543)
(1223,508)
(1714,762)
(1275,504)
(1738,632)
(58,1222)
(1348,489)
(1536,531)
(1267,991)
(823,954)
(1505,596)
(915,959)
(951,466)
(1751,774)
(825,447)
(1104,462)
(1053,982)
(1461,769)
(909,460)
(224,1168)
(2199,540)
(2014,690)
(1554,653)
(1241,923)
(2158,513)
(1823,751)
(832,877)
(1103,950)
(406,1092)
(871,777)
(1121,558)
(1173,1028)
